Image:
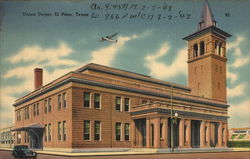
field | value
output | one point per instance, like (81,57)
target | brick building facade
(102,107)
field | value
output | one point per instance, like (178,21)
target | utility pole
(172,129)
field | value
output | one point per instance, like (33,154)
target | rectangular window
(19,115)
(64,130)
(118,131)
(45,106)
(97,130)
(126,131)
(97,98)
(161,129)
(25,113)
(126,104)
(37,109)
(86,130)
(59,102)
(185,133)
(46,133)
(25,137)
(223,131)
(205,134)
(49,132)
(34,110)
(28,112)
(49,105)
(64,100)
(86,99)
(118,103)
(59,131)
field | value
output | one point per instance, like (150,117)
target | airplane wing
(111,36)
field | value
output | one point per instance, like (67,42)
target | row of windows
(118,131)
(87,101)
(47,107)
(118,104)
(199,49)
(61,131)
(87,128)
(97,102)
(97,130)
(217,68)
(61,100)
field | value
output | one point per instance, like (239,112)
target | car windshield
(21,148)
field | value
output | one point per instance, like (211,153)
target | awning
(33,126)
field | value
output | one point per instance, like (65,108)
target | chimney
(38,78)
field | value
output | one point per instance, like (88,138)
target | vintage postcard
(118,76)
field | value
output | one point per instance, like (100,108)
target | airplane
(109,38)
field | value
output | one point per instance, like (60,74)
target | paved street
(218,155)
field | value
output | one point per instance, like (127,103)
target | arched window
(195,50)
(216,46)
(202,48)
(220,48)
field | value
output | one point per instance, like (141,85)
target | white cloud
(160,69)
(236,91)
(232,76)
(36,57)
(106,55)
(239,114)
(49,56)
(241,61)
(235,45)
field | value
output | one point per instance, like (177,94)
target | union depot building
(102,107)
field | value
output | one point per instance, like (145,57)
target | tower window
(202,48)
(216,46)
(218,85)
(198,85)
(216,68)
(220,69)
(201,68)
(220,48)
(195,70)
(195,50)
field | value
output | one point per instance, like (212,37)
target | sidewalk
(136,152)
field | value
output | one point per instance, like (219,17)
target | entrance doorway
(195,133)
(175,133)
(214,134)
(140,125)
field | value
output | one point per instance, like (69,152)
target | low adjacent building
(240,134)
(7,137)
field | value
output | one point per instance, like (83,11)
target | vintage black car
(23,151)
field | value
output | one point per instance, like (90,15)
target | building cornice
(116,87)
(180,113)
(133,77)
(216,31)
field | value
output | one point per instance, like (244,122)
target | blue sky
(154,47)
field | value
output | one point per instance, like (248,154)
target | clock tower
(207,58)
